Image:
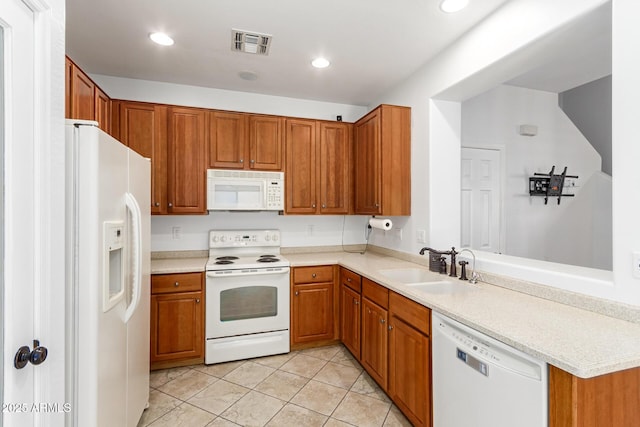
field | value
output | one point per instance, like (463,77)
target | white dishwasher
(481,382)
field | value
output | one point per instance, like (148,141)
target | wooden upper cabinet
(187,160)
(68,73)
(317,175)
(143,127)
(82,93)
(382,162)
(300,176)
(334,161)
(265,142)
(102,109)
(245,141)
(227,140)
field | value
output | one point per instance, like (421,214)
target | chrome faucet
(474,276)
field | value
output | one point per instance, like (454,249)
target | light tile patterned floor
(316,387)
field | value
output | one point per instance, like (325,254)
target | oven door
(247,302)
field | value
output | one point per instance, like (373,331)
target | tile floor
(317,387)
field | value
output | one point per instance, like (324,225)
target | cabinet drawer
(185,282)
(411,312)
(376,293)
(323,273)
(350,279)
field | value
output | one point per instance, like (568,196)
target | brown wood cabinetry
(143,128)
(350,303)
(177,319)
(603,401)
(409,358)
(245,141)
(312,305)
(186,154)
(84,99)
(375,335)
(318,156)
(382,162)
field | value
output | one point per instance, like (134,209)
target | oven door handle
(248,272)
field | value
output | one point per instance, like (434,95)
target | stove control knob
(275,237)
(214,239)
(267,237)
(223,239)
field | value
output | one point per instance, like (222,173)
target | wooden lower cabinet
(409,371)
(177,320)
(603,401)
(350,303)
(313,295)
(374,341)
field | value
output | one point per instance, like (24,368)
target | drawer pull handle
(313,275)
(176,284)
(349,279)
(197,300)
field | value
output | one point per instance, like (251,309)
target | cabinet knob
(390,327)
(377,205)
(176,284)
(241,160)
(356,302)
(296,294)
(324,206)
(313,275)
(313,205)
(197,300)
(157,204)
(170,204)
(252,161)
(382,321)
(349,279)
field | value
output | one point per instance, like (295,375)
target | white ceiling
(372,44)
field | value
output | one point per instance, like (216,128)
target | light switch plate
(636,264)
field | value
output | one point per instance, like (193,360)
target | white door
(480,199)
(25,283)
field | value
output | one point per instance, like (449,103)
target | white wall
(297,230)
(493,118)
(511,41)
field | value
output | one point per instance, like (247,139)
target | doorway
(480,203)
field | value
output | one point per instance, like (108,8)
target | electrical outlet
(176,232)
(422,236)
(397,233)
(636,264)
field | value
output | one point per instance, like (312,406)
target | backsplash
(191,232)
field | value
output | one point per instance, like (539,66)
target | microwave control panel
(275,195)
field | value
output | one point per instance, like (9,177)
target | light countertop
(581,342)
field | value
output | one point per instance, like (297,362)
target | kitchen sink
(409,275)
(443,287)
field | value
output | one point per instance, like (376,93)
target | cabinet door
(176,326)
(350,320)
(312,312)
(265,142)
(300,178)
(186,159)
(335,160)
(143,128)
(68,82)
(374,341)
(367,165)
(82,90)
(227,140)
(409,377)
(102,110)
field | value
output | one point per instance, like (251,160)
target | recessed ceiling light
(320,62)
(451,6)
(161,38)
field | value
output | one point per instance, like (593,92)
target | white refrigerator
(108,278)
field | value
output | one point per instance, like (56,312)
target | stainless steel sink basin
(409,275)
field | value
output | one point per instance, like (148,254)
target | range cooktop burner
(267,256)
(227,258)
(224,261)
(268,259)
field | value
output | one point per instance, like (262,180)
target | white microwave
(231,190)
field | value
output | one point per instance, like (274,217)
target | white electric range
(247,295)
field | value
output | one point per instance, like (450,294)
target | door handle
(26,355)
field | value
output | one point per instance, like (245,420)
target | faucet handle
(474,277)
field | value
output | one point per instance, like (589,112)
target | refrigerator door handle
(136,228)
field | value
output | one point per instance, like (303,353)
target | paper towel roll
(381,223)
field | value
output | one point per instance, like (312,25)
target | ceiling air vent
(250,42)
